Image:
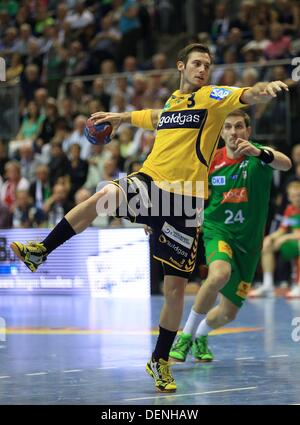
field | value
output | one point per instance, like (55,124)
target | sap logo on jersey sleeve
(219,93)
(218,181)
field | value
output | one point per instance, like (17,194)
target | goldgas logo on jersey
(235,196)
(181,119)
(172,233)
(218,181)
(219,93)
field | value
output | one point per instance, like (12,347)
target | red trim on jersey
(221,160)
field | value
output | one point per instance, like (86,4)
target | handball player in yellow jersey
(175,172)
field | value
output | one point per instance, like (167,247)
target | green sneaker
(32,254)
(181,347)
(200,350)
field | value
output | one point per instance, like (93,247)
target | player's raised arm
(273,158)
(280,162)
(146,118)
(263,92)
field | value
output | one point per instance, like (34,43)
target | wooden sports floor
(81,350)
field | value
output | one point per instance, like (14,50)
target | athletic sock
(203,329)
(60,234)
(268,281)
(163,345)
(192,323)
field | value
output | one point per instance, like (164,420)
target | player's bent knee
(107,200)
(230,316)
(174,292)
(109,190)
(219,278)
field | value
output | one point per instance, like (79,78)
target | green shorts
(243,267)
(289,250)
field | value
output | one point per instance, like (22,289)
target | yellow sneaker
(32,254)
(161,373)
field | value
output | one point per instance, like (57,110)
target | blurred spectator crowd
(49,166)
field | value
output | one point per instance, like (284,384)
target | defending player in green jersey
(234,222)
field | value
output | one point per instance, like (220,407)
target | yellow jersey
(187,135)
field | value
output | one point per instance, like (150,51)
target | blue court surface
(82,350)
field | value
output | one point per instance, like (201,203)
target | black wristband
(266,156)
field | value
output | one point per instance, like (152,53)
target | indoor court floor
(63,349)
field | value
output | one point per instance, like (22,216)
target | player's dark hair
(183,55)
(241,113)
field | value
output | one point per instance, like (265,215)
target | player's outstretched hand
(275,87)
(114,118)
(246,148)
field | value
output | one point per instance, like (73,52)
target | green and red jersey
(239,200)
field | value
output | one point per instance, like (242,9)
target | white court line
(119,367)
(141,365)
(279,355)
(72,371)
(180,363)
(191,394)
(244,358)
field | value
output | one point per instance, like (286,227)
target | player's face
(294,197)
(195,73)
(234,128)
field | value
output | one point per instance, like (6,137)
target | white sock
(203,329)
(268,282)
(192,323)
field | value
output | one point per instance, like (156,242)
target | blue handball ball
(98,134)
